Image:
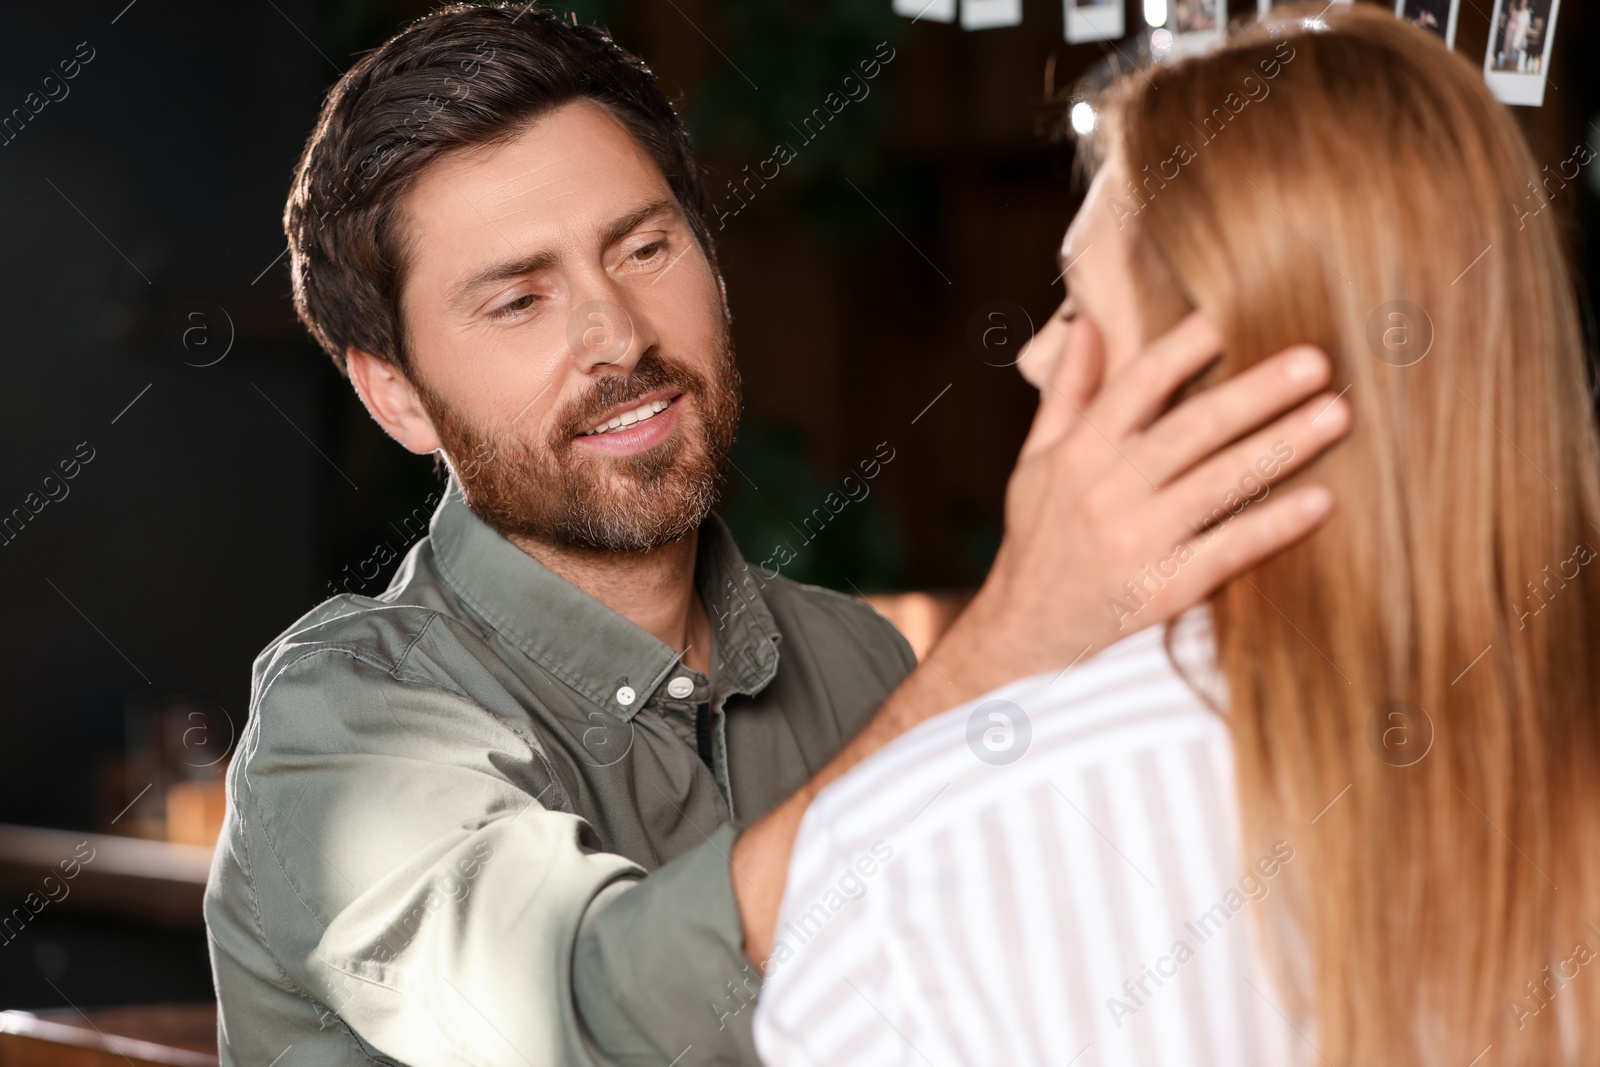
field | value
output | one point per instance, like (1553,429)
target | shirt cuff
(659,965)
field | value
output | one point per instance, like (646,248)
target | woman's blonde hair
(1412,691)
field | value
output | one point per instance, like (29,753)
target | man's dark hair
(463,76)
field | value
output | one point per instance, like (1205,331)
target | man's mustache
(651,373)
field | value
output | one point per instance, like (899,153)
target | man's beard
(566,495)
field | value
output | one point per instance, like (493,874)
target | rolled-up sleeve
(660,969)
(397,860)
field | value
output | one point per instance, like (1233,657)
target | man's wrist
(980,652)
(985,648)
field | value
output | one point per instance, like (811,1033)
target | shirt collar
(586,644)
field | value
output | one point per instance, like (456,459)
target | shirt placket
(679,700)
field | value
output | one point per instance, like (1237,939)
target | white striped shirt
(1077,896)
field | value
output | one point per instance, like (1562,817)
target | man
(534,803)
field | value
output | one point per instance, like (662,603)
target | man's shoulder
(353,640)
(382,629)
(360,682)
(362,627)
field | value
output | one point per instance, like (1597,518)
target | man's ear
(392,401)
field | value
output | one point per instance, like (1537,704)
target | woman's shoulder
(1129,698)
(1063,827)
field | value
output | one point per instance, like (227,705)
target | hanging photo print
(988,14)
(1521,34)
(1438,17)
(1196,24)
(932,10)
(1092,20)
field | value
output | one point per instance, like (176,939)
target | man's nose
(608,329)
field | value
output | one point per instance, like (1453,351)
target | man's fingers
(1072,384)
(1205,422)
(1136,396)
(1258,534)
(1238,479)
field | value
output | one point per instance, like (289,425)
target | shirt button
(625,696)
(680,687)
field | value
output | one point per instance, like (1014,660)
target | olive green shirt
(469,820)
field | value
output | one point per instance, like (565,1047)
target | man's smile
(639,426)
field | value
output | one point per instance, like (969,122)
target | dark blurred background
(223,501)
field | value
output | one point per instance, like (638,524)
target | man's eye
(648,252)
(521,303)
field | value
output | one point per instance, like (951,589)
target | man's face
(554,288)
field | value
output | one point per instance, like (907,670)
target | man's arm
(397,880)
(1109,481)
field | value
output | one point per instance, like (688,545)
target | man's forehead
(563,178)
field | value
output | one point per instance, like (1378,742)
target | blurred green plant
(798,52)
(860,547)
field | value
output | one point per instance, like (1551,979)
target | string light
(1083,118)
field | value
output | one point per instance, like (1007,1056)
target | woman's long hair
(1412,691)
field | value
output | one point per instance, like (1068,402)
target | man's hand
(1108,511)
(1111,481)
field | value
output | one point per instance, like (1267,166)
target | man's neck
(654,589)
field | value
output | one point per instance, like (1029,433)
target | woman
(1347,815)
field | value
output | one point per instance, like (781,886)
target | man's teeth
(629,418)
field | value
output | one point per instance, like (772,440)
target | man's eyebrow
(633,219)
(544,259)
(499,272)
